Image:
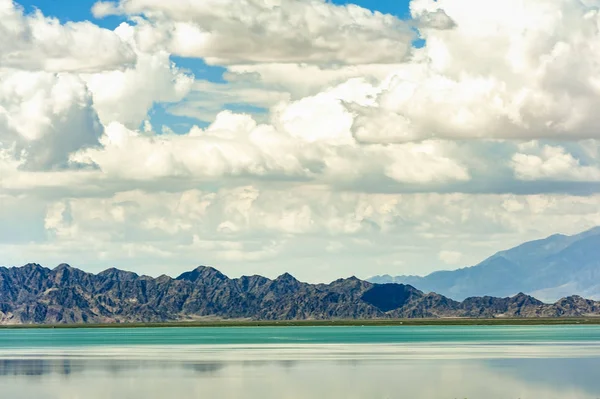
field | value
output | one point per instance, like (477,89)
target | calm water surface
(302,362)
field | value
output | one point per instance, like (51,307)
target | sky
(321,138)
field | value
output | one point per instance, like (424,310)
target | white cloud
(437,19)
(257,31)
(302,79)
(553,163)
(44,117)
(127,95)
(36,42)
(424,164)
(303,148)
(323,117)
(202,154)
(58,82)
(509,69)
(252,229)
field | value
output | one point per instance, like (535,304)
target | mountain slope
(34,294)
(548,269)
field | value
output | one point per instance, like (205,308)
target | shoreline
(323,323)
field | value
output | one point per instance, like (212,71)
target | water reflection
(34,367)
(66,367)
(125,373)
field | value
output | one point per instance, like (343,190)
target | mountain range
(548,269)
(33,294)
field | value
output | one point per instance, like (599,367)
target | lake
(447,362)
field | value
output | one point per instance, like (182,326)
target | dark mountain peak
(30,271)
(163,278)
(286,277)
(347,282)
(520,296)
(483,300)
(109,272)
(387,297)
(67,275)
(251,283)
(117,274)
(31,266)
(573,299)
(63,267)
(576,306)
(254,277)
(202,273)
(285,284)
(524,299)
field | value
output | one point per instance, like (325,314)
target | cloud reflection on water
(290,376)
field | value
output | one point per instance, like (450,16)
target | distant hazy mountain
(35,294)
(548,269)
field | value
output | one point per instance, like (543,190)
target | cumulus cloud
(257,31)
(44,117)
(425,165)
(126,96)
(553,163)
(506,69)
(235,145)
(36,42)
(60,82)
(302,79)
(206,153)
(437,19)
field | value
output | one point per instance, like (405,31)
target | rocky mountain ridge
(33,294)
(548,269)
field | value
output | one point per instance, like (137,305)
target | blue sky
(77,10)
(69,10)
(394,7)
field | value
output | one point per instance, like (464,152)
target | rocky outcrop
(33,294)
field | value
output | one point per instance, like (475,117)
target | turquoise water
(439,362)
(36,338)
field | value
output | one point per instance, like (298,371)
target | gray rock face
(548,269)
(33,294)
